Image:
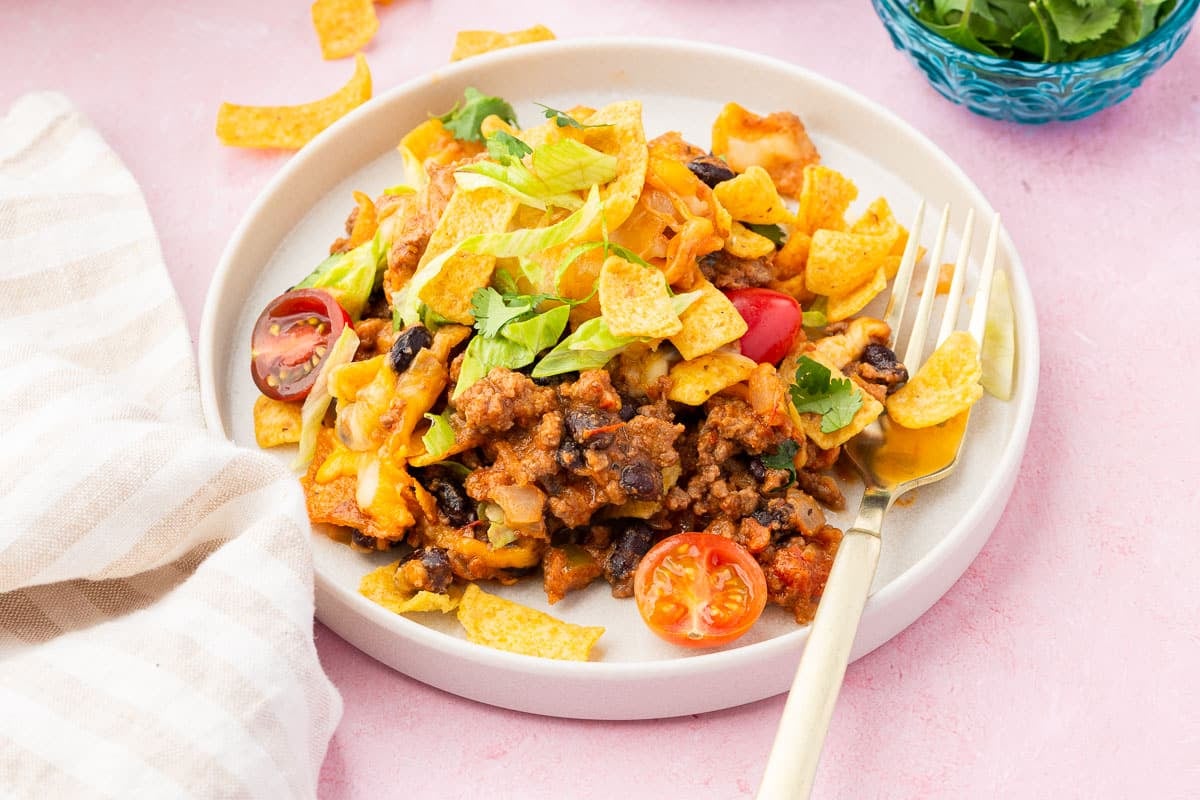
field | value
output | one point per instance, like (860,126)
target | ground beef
(728,272)
(797,570)
(618,476)
(731,426)
(375,336)
(565,569)
(503,399)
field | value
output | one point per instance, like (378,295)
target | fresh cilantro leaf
(772,232)
(1076,24)
(492,310)
(562,119)
(837,400)
(504,147)
(784,457)
(1042,30)
(465,122)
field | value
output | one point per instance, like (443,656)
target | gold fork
(892,460)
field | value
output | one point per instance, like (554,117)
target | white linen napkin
(156,590)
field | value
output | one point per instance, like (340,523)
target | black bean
(710,170)
(758,469)
(435,564)
(879,356)
(570,455)
(555,380)
(641,480)
(628,411)
(363,540)
(632,543)
(880,365)
(452,499)
(771,517)
(587,426)
(407,344)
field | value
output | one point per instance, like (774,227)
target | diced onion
(522,505)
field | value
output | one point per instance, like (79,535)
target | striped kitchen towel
(156,588)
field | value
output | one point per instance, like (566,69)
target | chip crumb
(379,586)
(506,625)
(291,127)
(945,385)
(475,43)
(344,26)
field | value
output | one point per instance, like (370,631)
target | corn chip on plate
(304,210)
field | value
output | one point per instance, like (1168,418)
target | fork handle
(792,764)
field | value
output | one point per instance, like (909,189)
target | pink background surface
(1064,663)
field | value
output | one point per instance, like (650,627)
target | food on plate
(474,43)
(343,26)
(574,353)
(291,127)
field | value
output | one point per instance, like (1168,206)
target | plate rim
(906,584)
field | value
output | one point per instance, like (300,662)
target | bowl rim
(898,13)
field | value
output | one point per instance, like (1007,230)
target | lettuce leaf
(440,437)
(520,243)
(539,332)
(591,346)
(485,352)
(317,402)
(571,166)
(351,276)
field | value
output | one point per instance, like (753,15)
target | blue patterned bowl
(1024,91)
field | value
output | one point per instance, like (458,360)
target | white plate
(928,543)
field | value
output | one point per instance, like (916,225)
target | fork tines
(894,315)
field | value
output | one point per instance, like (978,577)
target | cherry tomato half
(773,319)
(290,340)
(699,589)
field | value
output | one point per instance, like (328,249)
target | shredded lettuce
(351,276)
(571,166)
(509,341)
(485,352)
(516,180)
(591,346)
(513,244)
(559,170)
(317,402)
(539,332)
(440,437)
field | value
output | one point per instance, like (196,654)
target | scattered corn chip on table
(1057,666)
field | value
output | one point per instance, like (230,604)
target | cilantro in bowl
(1043,30)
